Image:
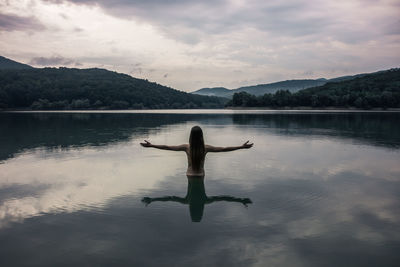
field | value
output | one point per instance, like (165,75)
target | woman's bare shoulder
(209,148)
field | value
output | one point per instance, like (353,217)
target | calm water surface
(317,189)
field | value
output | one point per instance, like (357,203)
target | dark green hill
(6,63)
(376,90)
(380,89)
(271,88)
(65,88)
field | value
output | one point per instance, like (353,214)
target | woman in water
(196,151)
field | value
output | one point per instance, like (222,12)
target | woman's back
(196,153)
(195,164)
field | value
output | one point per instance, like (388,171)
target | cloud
(12,22)
(190,21)
(54,61)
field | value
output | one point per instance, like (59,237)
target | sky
(191,44)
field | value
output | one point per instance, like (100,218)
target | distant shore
(315,108)
(227,109)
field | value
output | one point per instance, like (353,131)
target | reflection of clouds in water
(79,178)
(272,231)
(279,155)
(316,202)
(332,221)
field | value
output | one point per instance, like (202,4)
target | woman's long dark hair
(197,150)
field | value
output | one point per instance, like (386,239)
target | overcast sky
(190,44)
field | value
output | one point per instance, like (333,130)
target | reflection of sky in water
(84,176)
(318,200)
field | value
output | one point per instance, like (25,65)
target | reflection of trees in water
(382,129)
(21,131)
(196,198)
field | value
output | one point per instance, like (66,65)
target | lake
(317,189)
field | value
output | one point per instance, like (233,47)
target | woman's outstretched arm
(148,200)
(165,147)
(228,148)
(244,201)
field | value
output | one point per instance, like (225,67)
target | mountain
(261,89)
(68,88)
(376,90)
(6,63)
(291,85)
(214,91)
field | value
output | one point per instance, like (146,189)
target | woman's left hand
(247,145)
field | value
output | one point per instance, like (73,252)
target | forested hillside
(377,90)
(6,63)
(271,88)
(65,88)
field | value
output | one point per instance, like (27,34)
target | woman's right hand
(146,144)
(146,200)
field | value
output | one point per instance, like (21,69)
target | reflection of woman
(196,198)
(196,150)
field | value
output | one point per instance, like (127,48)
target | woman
(196,151)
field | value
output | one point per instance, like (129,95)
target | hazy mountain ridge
(214,91)
(261,89)
(290,85)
